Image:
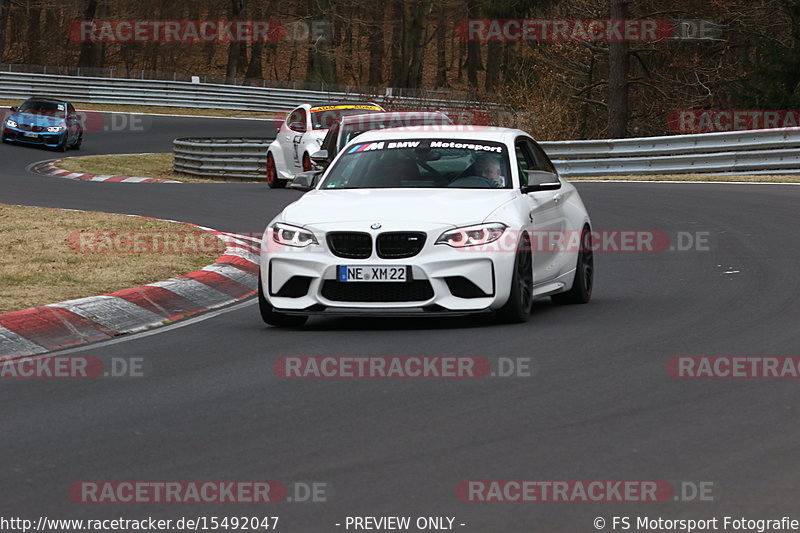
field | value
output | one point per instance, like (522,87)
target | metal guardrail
(775,151)
(187,94)
(754,151)
(228,159)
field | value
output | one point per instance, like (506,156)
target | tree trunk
(92,54)
(235,49)
(473,48)
(618,78)
(441,48)
(375,45)
(5,8)
(321,65)
(494,54)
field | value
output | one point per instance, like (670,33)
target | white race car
(301,135)
(413,223)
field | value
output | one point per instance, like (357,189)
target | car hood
(36,120)
(441,206)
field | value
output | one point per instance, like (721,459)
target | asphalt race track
(600,405)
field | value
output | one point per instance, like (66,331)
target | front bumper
(440,280)
(34,138)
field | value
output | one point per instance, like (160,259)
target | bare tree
(5,7)
(235,48)
(93,53)
(618,78)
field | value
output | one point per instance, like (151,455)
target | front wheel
(273,181)
(78,142)
(518,307)
(581,291)
(274,318)
(62,146)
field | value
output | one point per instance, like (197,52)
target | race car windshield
(379,122)
(39,107)
(421,163)
(323,117)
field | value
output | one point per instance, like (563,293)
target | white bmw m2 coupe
(414,222)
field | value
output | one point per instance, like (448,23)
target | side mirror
(305,181)
(297,126)
(320,158)
(539,180)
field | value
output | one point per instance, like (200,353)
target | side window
(297,116)
(525,159)
(542,161)
(329,143)
(70,109)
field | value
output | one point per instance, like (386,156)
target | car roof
(328,104)
(482,133)
(394,114)
(47,99)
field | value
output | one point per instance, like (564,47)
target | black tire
(273,181)
(62,146)
(272,317)
(78,142)
(518,307)
(581,291)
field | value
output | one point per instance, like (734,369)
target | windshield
(380,121)
(323,117)
(40,107)
(433,163)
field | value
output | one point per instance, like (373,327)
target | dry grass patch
(139,165)
(38,266)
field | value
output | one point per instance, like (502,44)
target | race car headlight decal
(11,124)
(292,235)
(472,235)
(55,129)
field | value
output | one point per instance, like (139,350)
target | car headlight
(292,235)
(11,124)
(472,235)
(55,129)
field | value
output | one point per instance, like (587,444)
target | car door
(296,126)
(545,214)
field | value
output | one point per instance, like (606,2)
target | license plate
(29,134)
(372,273)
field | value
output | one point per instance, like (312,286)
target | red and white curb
(233,277)
(50,169)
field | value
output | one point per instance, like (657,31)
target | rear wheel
(272,317)
(518,307)
(273,181)
(581,291)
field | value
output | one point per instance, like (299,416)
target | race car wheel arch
(273,181)
(581,291)
(520,299)
(272,317)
